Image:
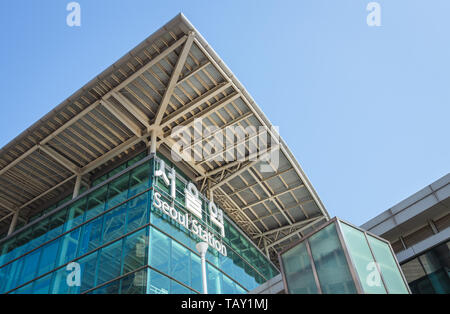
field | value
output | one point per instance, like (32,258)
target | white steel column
(13,224)
(76,189)
(202,247)
(153,143)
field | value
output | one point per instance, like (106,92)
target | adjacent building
(419,231)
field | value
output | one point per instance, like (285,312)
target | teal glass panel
(137,213)
(96,202)
(48,257)
(180,263)
(59,285)
(13,274)
(109,262)
(4,276)
(110,288)
(91,236)
(298,270)
(135,283)
(160,246)
(359,252)
(139,180)
(27,289)
(196,273)
(117,191)
(388,266)
(214,281)
(87,267)
(240,290)
(39,235)
(29,267)
(56,224)
(69,246)
(330,262)
(42,285)
(158,283)
(176,288)
(228,286)
(114,224)
(75,214)
(135,251)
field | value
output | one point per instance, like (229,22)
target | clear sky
(365,110)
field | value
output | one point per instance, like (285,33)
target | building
(419,231)
(94,200)
(340,258)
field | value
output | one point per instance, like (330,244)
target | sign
(193,206)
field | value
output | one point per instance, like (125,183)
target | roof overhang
(169,80)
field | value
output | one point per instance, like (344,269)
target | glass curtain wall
(342,259)
(119,243)
(429,273)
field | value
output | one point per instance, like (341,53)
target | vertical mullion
(313,267)
(376,263)
(350,263)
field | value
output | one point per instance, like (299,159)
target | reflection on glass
(329,259)
(298,270)
(359,251)
(388,266)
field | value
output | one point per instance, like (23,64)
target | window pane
(69,247)
(196,273)
(391,274)
(42,285)
(109,262)
(91,233)
(228,286)
(136,247)
(117,191)
(76,214)
(137,212)
(110,288)
(214,280)
(176,288)
(179,263)
(87,267)
(60,282)
(56,224)
(160,251)
(140,179)
(298,270)
(135,283)
(29,267)
(96,202)
(114,225)
(159,284)
(48,258)
(359,251)
(329,259)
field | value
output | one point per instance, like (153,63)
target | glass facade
(341,259)
(112,239)
(429,272)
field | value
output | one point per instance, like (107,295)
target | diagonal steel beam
(63,161)
(174,78)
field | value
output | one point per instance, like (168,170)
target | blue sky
(364,109)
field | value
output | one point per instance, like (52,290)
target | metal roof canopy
(168,80)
